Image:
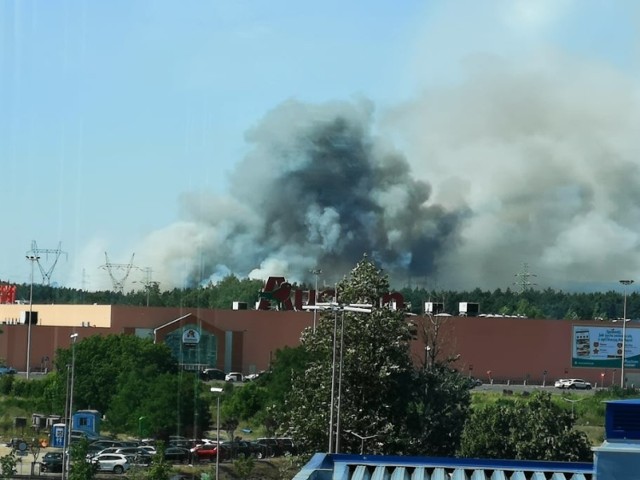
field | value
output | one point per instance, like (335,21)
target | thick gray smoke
(317,189)
(535,165)
(546,155)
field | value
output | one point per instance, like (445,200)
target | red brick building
(512,349)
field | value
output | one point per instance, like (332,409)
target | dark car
(286,445)
(51,462)
(177,454)
(239,449)
(266,448)
(212,374)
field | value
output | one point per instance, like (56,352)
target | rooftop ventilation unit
(239,305)
(468,309)
(433,308)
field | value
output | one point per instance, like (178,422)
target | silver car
(111,462)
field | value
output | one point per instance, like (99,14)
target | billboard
(601,347)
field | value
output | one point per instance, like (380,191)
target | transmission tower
(524,282)
(118,282)
(37,253)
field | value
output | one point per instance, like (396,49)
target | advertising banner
(601,347)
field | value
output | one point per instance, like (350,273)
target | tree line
(530,303)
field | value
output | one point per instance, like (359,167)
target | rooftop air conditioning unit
(468,309)
(433,308)
(239,305)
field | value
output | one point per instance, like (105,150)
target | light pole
(140,427)
(316,272)
(32,259)
(336,307)
(73,337)
(217,390)
(572,402)
(349,308)
(362,439)
(625,283)
(65,447)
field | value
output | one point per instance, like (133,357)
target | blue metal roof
(382,467)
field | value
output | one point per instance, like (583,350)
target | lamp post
(362,439)
(625,283)
(66,415)
(140,427)
(349,308)
(73,337)
(217,390)
(32,259)
(316,272)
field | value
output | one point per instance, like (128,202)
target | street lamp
(140,427)
(625,283)
(73,337)
(362,439)
(349,308)
(316,272)
(572,402)
(217,390)
(32,259)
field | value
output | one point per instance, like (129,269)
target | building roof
(372,467)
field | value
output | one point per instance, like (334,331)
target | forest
(530,303)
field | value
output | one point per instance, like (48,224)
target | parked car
(4,370)
(474,382)
(253,376)
(266,448)
(111,462)
(234,377)
(573,383)
(177,454)
(561,383)
(135,455)
(286,445)
(150,449)
(578,383)
(51,462)
(212,374)
(239,449)
(200,453)
(96,447)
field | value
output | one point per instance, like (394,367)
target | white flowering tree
(382,397)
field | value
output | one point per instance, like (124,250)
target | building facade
(498,349)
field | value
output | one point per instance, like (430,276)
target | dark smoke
(317,189)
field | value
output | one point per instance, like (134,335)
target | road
(520,388)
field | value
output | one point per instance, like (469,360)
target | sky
(456,143)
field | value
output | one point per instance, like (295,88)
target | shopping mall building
(491,348)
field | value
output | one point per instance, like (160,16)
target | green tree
(79,468)
(527,428)
(380,390)
(159,469)
(104,363)
(8,466)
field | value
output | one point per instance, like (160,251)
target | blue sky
(112,113)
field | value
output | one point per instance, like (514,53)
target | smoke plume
(513,165)
(317,190)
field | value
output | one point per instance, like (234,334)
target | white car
(561,383)
(111,462)
(573,383)
(234,377)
